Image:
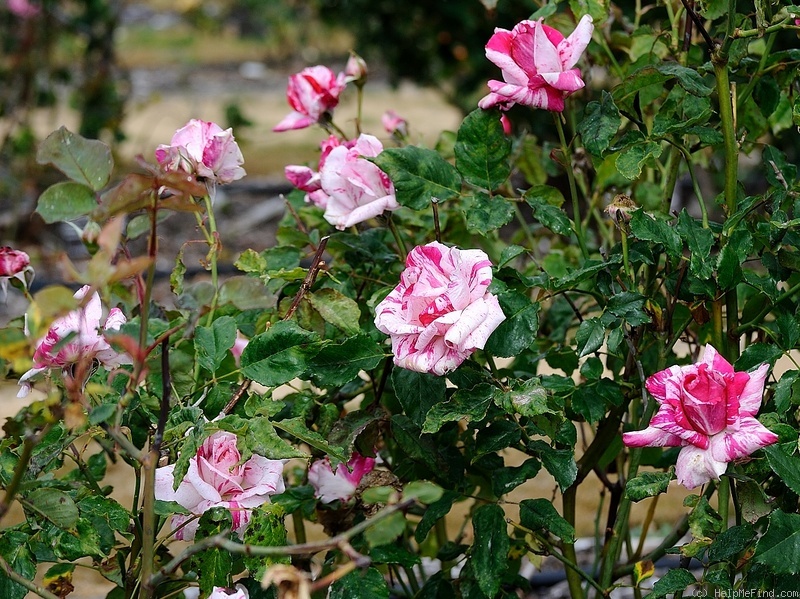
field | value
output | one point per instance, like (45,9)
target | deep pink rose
(441,311)
(86,342)
(357,189)
(342,484)
(217,479)
(13,265)
(709,410)
(223,593)
(203,149)
(312,93)
(537,64)
(395,124)
(23,9)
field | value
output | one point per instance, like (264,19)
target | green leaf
(470,404)
(339,363)
(560,463)
(786,466)
(65,201)
(489,557)
(280,354)
(647,228)
(368,584)
(518,331)
(337,309)
(630,306)
(632,159)
(387,531)
(55,505)
(417,392)
(541,514)
(590,336)
(600,123)
(266,528)
(245,293)
(699,241)
(757,354)
(508,478)
(423,491)
(648,484)
(732,256)
(527,399)
(418,175)
(214,567)
(14,549)
(297,428)
(482,150)
(433,513)
(258,436)
(672,582)
(754,502)
(85,161)
(211,344)
(730,543)
(499,435)
(551,216)
(484,213)
(779,548)
(704,521)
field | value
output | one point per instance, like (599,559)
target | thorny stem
(214,246)
(222,542)
(573,191)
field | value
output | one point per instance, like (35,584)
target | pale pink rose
(537,64)
(355,71)
(342,484)
(23,9)
(223,593)
(709,410)
(312,94)
(441,311)
(216,479)
(238,347)
(306,179)
(357,189)
(203,149)
(395,124)
(86,342)
(13,265)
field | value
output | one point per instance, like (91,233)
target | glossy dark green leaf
(258,436)
(85,161)
(387,531)
(364,584)
(417,392)
(647,228)
(600,123)
(489,557)
(630,306)
(482,150)
(590,336)
(552,217)
(730,543)
(211,344)
(418,175)
(55,505)
(632,160)
(282,353)
(732,256)
(560,463)
(337,309)
(699,241)
(518,331)
(541,514)
(433,513)
(779,548)
(757,354)
(508,478)
(214,566)
(66,201)
(485,213)
(339,363)
(298,429)
(14,549)
(672,582)
(785,465)
(528,398)
(469,404)
(266,528)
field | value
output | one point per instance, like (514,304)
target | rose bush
(565,315)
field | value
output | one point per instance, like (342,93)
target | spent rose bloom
(357,189)
(441,311)
(709,410)
(13,265)
(312,93)
(224,593)
(205,150)
(537,64)
(216,479)
(342,484)
(85,341)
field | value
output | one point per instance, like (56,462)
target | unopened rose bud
(355,71)
(394,124)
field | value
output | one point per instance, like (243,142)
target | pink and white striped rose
(709,410)
(441,311)
(203,149)
(341,484)
(357,189)
(216,478)
(13,265)
(76,337)
(312,93)
(306,179)
(538,63)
